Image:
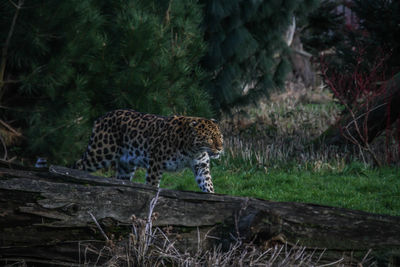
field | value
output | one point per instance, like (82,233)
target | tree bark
(301,62)
(383,112)
(45,216)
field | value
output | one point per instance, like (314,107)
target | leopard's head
(207,137)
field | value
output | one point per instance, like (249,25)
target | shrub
(360,91)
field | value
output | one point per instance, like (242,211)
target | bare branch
(98,226)
(290,32)
(4,148)
(302,53)
(11,81)
(11,129)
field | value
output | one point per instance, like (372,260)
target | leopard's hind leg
(101,151)
(92,162)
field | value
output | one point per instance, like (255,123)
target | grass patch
(354,186)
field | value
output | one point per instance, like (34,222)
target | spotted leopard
(129,139)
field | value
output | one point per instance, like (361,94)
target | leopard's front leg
(201,170)
(154,173)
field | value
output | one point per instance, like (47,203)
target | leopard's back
(116,133)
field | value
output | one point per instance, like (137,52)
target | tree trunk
(301,62)
(383,112)
(45,216)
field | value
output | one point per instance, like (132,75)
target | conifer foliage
(69,62)
(380,29)
(323,28)
(247,52)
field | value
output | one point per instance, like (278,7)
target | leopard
(127,139)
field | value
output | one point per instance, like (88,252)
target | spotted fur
(129,139)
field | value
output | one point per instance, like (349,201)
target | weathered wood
(44,216)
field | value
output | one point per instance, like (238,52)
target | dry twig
(98,226)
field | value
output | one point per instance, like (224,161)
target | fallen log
(47,217)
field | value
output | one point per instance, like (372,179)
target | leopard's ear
(214,120)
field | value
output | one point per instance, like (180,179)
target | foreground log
(381,113)
(45,216)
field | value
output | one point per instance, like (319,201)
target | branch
(364,114)
(11,81)
(98,226)
(11,129)
(4,147)
(302,53)
(290,32)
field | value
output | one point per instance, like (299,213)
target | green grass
(353,186)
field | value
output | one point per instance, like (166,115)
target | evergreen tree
(323,28)
(374,38)
(246,46)
(75,60)
(380,29)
